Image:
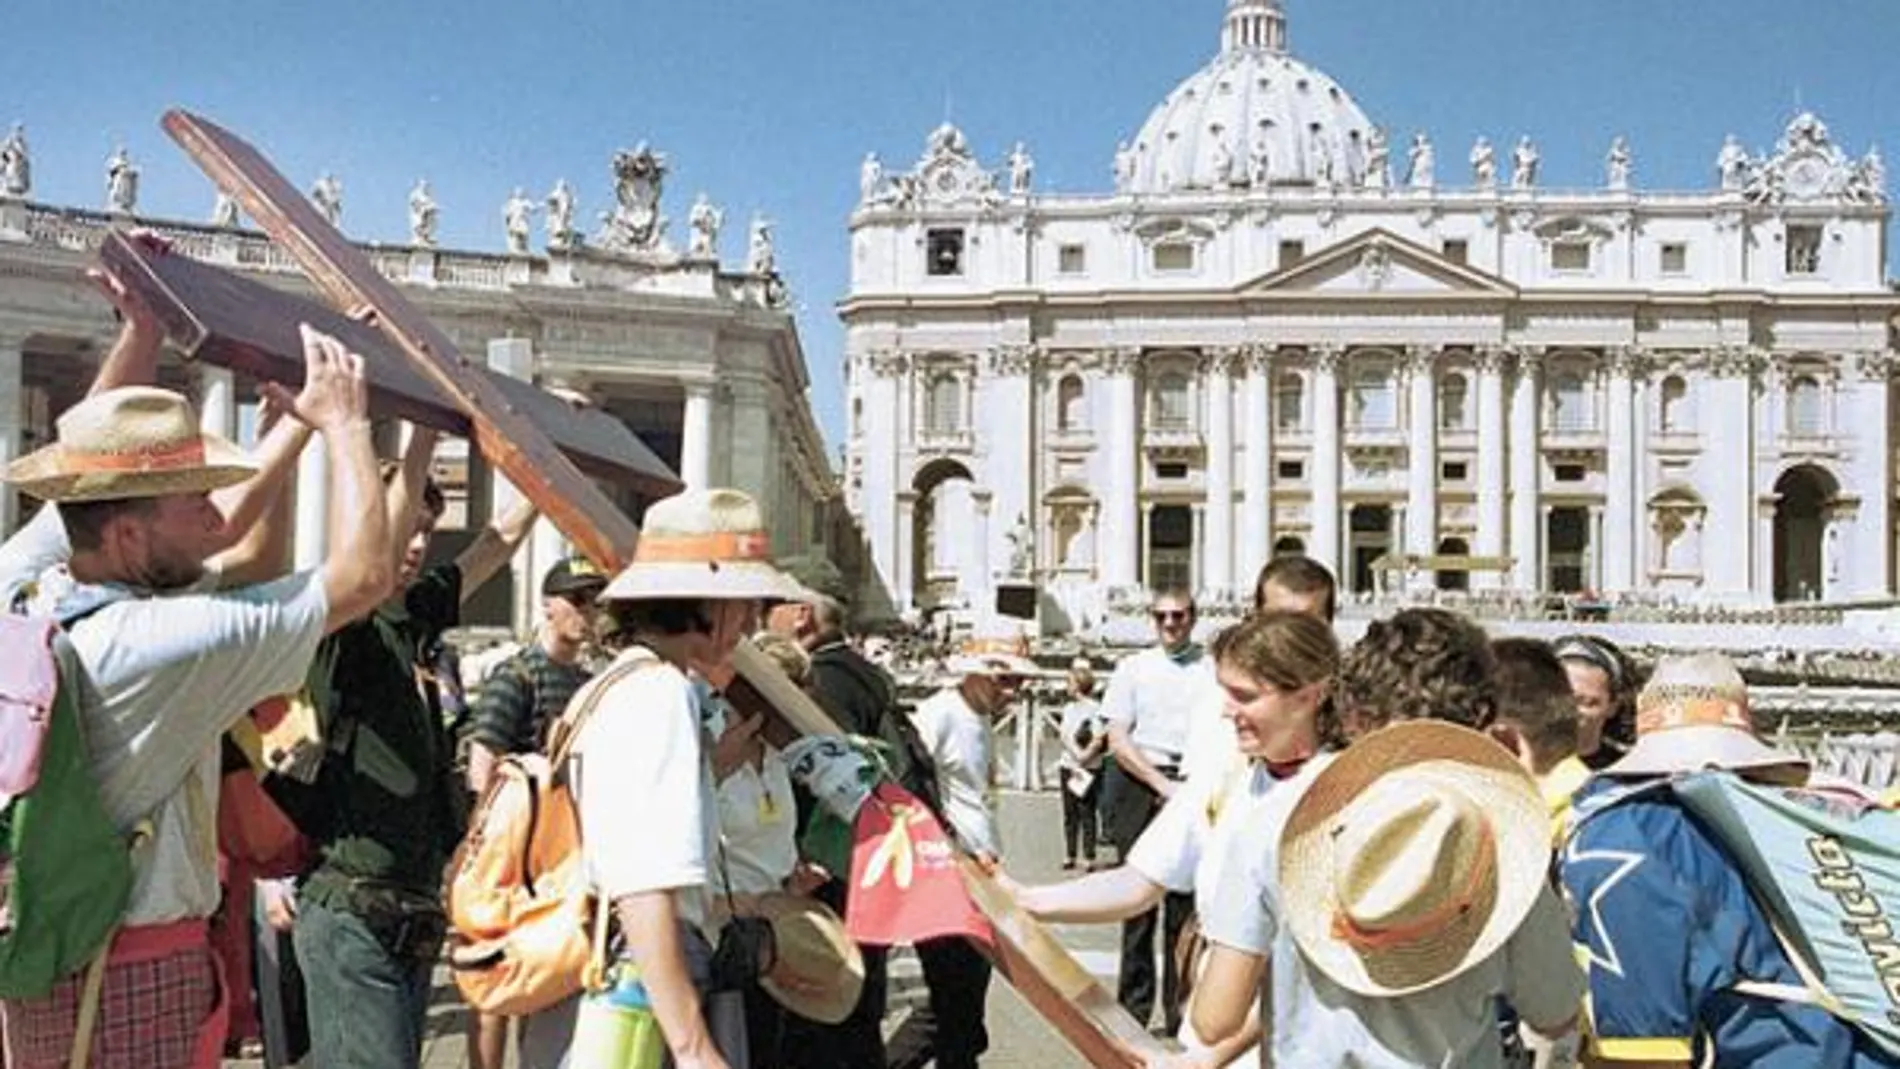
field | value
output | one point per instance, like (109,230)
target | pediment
(1378,262)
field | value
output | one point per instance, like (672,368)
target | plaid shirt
(520,698)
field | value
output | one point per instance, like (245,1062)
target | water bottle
(616,1029)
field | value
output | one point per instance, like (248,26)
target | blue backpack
(1824,866)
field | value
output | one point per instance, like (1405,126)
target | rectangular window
(1570,473)
(1171,471)
(1570,256)
(1174,256)
(1675,258)
(1293,469)
(1291,252)
(1455,471)
(1804,250)
(944,253)
(1072,260)
(1457,250)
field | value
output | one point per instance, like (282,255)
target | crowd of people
(1429,849)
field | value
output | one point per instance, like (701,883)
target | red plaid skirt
(158,1009)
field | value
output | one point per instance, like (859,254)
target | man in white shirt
(1153,702)
(955,724)
(164,665)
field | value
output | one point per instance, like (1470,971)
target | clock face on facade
(1807,177)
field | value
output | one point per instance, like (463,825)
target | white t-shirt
(758,818)
(1185,847)
(1168,706)
(643,784)
(163,678)
(959,742)
(1319,1025)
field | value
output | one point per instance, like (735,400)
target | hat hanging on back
(1412,857)
(575,575)
(810,947)
(130,442)
(703,544)
(1693,715)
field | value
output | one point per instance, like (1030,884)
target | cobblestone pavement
(1031,827)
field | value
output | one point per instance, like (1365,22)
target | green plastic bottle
(616,1028)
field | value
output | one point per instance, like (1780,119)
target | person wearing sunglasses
(1151,704)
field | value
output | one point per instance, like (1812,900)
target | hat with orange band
(703,544)
(131,442)
(1693,715)
(1412,857)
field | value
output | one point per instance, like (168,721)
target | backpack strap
(566,732)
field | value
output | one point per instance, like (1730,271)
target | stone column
(217,402)
(1326,445)
(1120,532)
(982,592)
(1872,561)
(12,423)
(1728,458)
(1491,463)
(1006,425)
(1526,463)
(1217,540)
(696,436)
(890,564)
(1619,493)
(903,570)
(1421,496)
(513,357)
(1256,527)
(310,533)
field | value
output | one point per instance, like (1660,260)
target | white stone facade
(1269,339)
(705,364)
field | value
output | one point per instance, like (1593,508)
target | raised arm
(491,551)
(357,572)
(257,511)
(133,358)
(403,496)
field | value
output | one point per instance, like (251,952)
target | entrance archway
(1568,536)
(1806,496)
(1370,539)
(1453,579)
(943,532)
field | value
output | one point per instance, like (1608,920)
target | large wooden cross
(419,373)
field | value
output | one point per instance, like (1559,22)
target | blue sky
(769,106)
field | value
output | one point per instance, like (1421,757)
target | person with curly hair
(1420,665)
(1275,671)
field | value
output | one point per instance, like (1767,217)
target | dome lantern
(1254,25)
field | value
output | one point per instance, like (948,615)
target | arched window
(1675,399)
(1453,396)
(944,404)
(1807,414)
(1374,398)
(1570,402)
(1071,405)
(1289,402)
(1170,405)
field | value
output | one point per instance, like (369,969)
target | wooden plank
(1025,954)
(223,318)
(504,434)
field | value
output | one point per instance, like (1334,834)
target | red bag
(906,877)
(254,831)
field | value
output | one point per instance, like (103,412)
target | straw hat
(1412,857)
(809,944)
(1693,715)
(703,544)
(135,441)
(996,647)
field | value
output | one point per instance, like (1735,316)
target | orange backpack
(519,901)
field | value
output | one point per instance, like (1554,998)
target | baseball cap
(575,575)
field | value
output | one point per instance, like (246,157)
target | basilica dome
(1253,116)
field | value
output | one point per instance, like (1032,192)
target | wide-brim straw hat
(708,544)
(1693,715)
(995,648)
(809,943)
(1412,857)
(130,442)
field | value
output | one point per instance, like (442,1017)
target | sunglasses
(1168,616)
